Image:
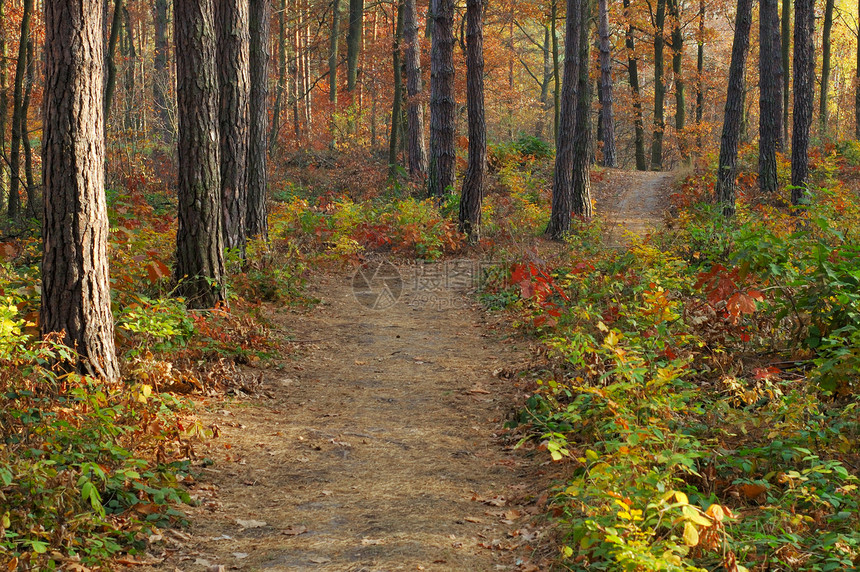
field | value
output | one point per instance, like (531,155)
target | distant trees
(75,286)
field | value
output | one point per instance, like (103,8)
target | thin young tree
(19,121)
(804,85)
(473,182)
(785,26)
(610,157)
(75,285)
(581,191)
(334,47)
(397,104)
(826,48)
(257,222)
(353,42)
(726,170)
(856,86)
(677,38)
(110,57)
(633,75)
(770,94)
(416,149)
(442,101)
(161,75)
(233,53)
(562,186)
(4,98)
(199,243)
(700,76)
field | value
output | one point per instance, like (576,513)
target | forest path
(633,202)
(377,449)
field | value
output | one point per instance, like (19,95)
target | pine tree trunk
(610,158)
(804,84)
(19,121)
(32,207)
(4,102)
(473,182)
(633,74)
(442,103)
(161,78)
(680,86)
(825,66)
(130,57)
(75,279)
(353,42)
(199,242)
(770,94)
(856,91)
(110,58)
(282,77)
(581,195)
(257,221)
(417,151)
(725,188)
(785,24)
(334,41)
(396,108)
(556,73)
(233,53)
(562,187)
(659,88)
(700,76)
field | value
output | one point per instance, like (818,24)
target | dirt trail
(634,202)
(377,451)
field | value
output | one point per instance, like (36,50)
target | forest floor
(377,445)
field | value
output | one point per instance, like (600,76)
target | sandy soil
(379,448)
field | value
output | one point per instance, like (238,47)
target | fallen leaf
(478,389)
(496,501)
(295,530)
(319,559)
(473,519)
(240,555)
(250,523)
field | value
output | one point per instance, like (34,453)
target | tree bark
(700,76)
(725,188)
(199,243)
(25,133)
(825,66)
(129,55)
(680,86)
(161,78)
(110,58)
(659,88)
(353,42)
(282,77)
(4,101)
(856,88)
(19,120)
(417,151)
(562,187)
(633,74)
(396,108)
(804,83)
(581,196)
(334,41)
(442,103)
(770,94)
(233,52)
(785,23)
(556,79)
(610,158)
(473,182)
(257,221)
(75,283)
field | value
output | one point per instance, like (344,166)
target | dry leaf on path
(250,523)
(295,530)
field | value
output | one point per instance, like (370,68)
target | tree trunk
(473,182)
(581,196)
(804,84)
(161,78)
(75,280)
(556,80)
(231,23)
(700,76)
(4,101)
(442,103)
(396,110)
(725,189)
(856,88)
(257,221)
(607,117)
(633,73)
(110,58)
(25,133)
(680,99)
(334,41)
(770,94)
(825,66)
(353,42)
(282,77)
(417,151)
(19,120)
(199,243)
(659,88)
(785,24)
(562,187)
(129,55)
